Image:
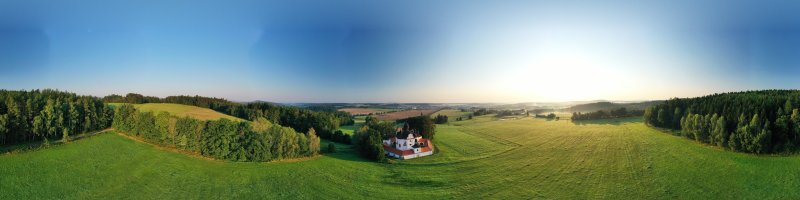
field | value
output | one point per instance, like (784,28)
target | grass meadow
(181,110)
(480,158)
(451,114)
(350,129)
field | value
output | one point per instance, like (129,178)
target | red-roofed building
(407,144)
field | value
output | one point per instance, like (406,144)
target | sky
(409,51)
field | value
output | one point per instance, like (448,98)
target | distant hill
(181,110)
(591,107)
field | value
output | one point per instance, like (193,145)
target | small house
(406,144)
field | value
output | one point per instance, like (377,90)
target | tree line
(340,137)
(441,119)
(548,116)
(423,124)
(325,121)
(224,139)
(482,111)
(601,114)
(766,121)
(27,116)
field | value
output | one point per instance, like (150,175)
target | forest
(601,114)
(324,121)
(766,121)
(224,139)
(35,115)
(609,106)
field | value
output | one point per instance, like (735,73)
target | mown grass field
(181,110)
(480,158)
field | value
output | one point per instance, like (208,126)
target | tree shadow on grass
(42,144)
(613,121)
(343,152)
(407,179)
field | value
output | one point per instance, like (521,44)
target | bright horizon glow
(443,52)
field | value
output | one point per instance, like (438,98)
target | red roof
(425,149)
(405,152)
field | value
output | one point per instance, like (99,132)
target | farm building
(407,144)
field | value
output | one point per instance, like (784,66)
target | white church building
(407,144)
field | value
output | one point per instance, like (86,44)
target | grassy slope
(183,110)
(112,166)
(525,158)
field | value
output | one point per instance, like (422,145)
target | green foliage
(331,148)
(458,115)
(34,115)
(424,125)
(312,142)
(482,111)
(719,132)
(187,134)
(369,138)
(479,158)
(553,115)
(3,126)
(601,114)
(663,117)
(324,120)
(65,135)
(261,124)
(341,137)
(441,119)
(221,139)
(795,126)
(753,121)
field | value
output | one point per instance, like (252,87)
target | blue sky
(415,51)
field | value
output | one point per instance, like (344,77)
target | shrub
(331,148)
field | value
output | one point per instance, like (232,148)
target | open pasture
(479,158)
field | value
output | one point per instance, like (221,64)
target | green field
(480,158)
(367,111)
(350,129)
(181,110)
(451,114)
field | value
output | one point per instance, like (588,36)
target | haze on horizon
(417,51)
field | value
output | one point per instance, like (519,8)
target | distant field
(451,114)
(350,129)
(182,110)
(365,111)
(483,158)
(405,114)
